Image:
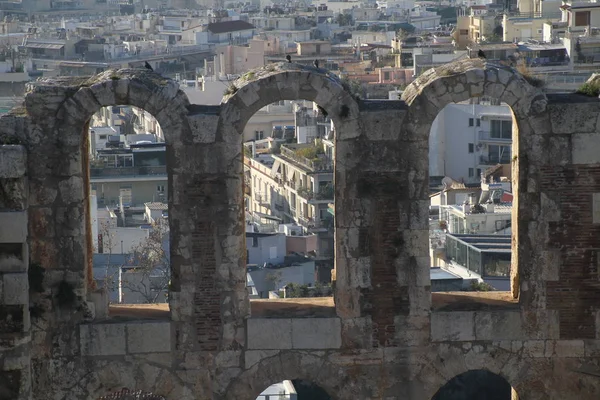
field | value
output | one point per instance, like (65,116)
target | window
(102,137)
(471,121)
(582,18)
(160,188)
(478,122)
(471,148)
(499,154)
(471,173)
(254,241)
(386,76)
(478,171)
(464,32)
(501,129)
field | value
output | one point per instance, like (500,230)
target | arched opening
(113,92)
(296,389)
(288,201)
(487,147)
(129,206)
(303,166)
(477,384)
(472,190)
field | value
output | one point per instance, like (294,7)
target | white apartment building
(466,139)
(294,186)
(290,186)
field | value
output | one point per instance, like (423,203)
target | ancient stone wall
(387,336)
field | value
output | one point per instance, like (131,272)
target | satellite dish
(447,182)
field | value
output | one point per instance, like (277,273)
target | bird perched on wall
(148,66)
(288,58)
(316,63)
(481,54)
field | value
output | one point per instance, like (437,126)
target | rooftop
(157,206)
(229,26)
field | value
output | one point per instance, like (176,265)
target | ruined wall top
(73,100)
(287,81)
(465,79)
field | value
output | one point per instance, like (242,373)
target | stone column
(15,374)
(210,300)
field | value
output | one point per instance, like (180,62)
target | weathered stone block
(264,333)
(252,357)
(453,326)
(12,318)
(498,325)
(13,227)
(204,127)
(102,339)
(13,161)
(16,289)
(584,148)
(565,348)
(316,333)
(100,300)
(149,337)
(596,208)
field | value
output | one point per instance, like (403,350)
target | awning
(276,168)
(52,46)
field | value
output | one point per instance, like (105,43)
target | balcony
(316,164)
(144,172)
(325,193)
(488,136)
(487,160)
(307,222)
(262,200)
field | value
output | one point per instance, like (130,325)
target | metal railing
(314,165)
(101,172)
(493,137)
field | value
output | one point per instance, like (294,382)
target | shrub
(590,89)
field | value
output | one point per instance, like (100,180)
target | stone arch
(285,366)
(477,384)
(140,88)
(469,78)
(61,109)
(466,79)
(285,81)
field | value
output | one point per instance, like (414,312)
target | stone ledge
(316,333)
(294,333)
(102,339)
(13,226)
(149,337)
(269,333)
(13,161)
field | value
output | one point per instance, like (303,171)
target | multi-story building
(582,38)
(295,185)
(129,175)
(467,138)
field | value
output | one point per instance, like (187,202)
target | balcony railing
(158,171)
(314,165)
(486,160)
(325,193)
(309,222)
(493,137)
(262,200)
